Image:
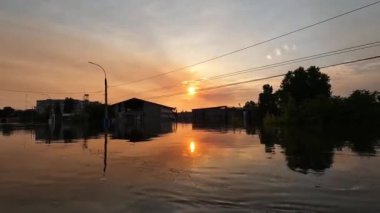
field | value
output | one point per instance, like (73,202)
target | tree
(363,97)
(249,105)
(250,109)
(7,111)
(302,85)
(363,107)
(267,102)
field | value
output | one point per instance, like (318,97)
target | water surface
(176,168)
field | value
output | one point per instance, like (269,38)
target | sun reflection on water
(192,147)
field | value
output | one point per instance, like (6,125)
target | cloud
(36,56)
(345,79)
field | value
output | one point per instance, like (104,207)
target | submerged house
(219,114)
(65,108)
(138,111)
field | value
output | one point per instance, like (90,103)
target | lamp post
(105,95)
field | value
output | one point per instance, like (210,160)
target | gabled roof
(140,100)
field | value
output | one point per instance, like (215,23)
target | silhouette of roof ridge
(215,107)
(138,99)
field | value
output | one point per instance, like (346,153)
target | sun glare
(191,90)
(192,146)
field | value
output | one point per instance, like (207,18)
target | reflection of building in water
(211,127)
(220,114)
(65,133)
(140,131)
(224,127)
(136,111)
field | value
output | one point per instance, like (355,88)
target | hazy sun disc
(191,90)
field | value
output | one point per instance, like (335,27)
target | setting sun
(191,90)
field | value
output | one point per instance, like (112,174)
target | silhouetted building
(64,107)
(219,114)
(185,117)
(138,111)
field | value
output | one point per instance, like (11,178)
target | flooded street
(175,168)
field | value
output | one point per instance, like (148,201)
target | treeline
(10,115)
(305,98)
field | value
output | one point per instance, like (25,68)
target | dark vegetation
(309,123)
(305,98)
(10,115)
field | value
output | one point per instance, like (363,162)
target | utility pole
(106,122)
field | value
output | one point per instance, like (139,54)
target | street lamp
(105,95)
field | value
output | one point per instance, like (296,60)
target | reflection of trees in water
(313,149)
(7,130)
(307,150)
(269,138)
(361,140)
(250,130)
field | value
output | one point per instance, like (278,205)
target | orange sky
(45,47)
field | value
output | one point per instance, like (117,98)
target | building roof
(140,100)
(49,99)
(216,107)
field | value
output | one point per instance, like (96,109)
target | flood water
(187,168)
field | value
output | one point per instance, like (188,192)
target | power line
(302,59)
(306,58)
(249,46)
(264,78)
(283,63)
(350,62)
(210,59)
(150,90)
